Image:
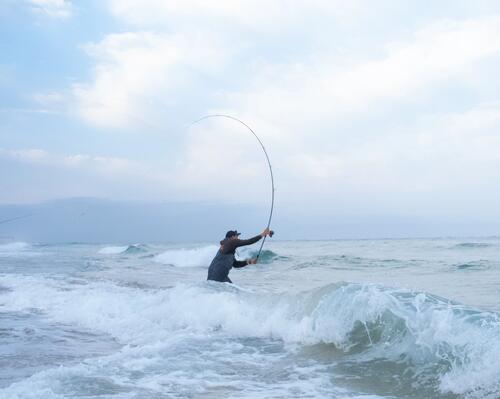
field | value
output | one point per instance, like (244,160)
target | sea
(370,319)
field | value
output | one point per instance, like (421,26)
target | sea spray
(82,323)
(368,321)
(13,248)
(123,249)
(192,257)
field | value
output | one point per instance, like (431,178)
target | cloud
(57,9)
(452,151)
(295,109)
(93,175)
(179,55)
(222,161)
(468,141)
(139,74)
(32,155)
(109,167)
(136,71)
(43,175)
(256,16)
(440,54)
(314,104)
(201,175)
(346,113)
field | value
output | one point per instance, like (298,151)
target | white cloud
(484,118)
(253,15)
(222,159)
(468,141)
(439,54)
(58,9)
(317,152)
(46,175)
(110,167)
(307,106)
(455,151)
(138,73)
(96,175)
(31,155)
(137,70)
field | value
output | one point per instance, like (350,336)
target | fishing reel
(271,233)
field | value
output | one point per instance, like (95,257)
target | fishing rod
(271,233)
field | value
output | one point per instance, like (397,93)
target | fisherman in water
(225,260)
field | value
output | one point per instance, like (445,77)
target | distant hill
(97,220)
(91,220)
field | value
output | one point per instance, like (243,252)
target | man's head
(232,234)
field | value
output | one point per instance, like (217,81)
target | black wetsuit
(225,260)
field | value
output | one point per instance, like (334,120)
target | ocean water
(315,319)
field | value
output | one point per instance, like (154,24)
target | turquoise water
(315,319)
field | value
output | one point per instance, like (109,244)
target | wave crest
(117,250)
(14,249)
(202,256)
(194,257)
(266,256)
(455,347)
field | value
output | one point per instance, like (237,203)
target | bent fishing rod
(268,164)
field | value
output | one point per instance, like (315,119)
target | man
(225,260)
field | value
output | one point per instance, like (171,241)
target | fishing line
(268,164)
(15,218)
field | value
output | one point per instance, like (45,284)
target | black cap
(232,233)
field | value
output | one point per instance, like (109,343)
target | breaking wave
(202,256)
(117,250)
(14,248)
(266,256)
(194,257)
(441,346)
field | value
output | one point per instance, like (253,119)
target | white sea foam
(113,250)
(384,323)
(14,248)
(169,368)
(192,257)
(201,256)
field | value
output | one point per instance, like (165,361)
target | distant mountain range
(98,220)
(91,220)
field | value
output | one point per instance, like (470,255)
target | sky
(366,107)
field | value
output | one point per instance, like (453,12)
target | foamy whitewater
(315,319)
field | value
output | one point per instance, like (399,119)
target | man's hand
(265,232)
(252,261)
